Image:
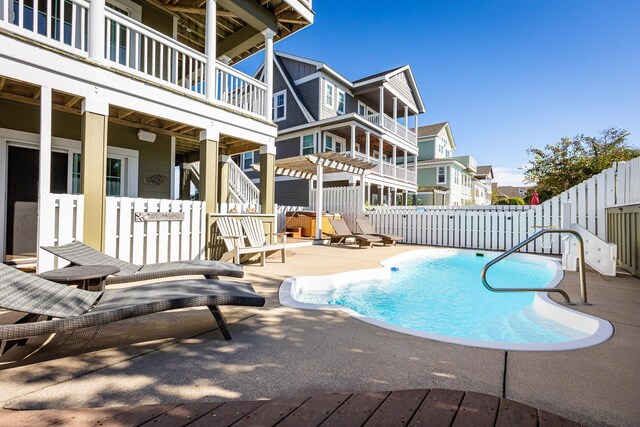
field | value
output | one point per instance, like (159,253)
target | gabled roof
(374,76)
(483,171)
(294,89)
(320,66)
(427,131)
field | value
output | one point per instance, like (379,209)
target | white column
(406,154)
(368,145)
(172,175)
(406,122)
(381,115)
(353,141)
(369,192)
(395,173)
(210,49)
(389,203)
(96,27)
(415,124)
(380,155)
(268,71)
(44,182)
(415,165)
(395,114)
(319,202)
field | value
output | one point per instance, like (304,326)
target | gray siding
(294,114)
(292,192)
(402,87)
(288,148)
(297,69)
(310,94)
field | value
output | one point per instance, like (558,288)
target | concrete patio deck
(281,352)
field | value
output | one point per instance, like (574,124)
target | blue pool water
(443,294)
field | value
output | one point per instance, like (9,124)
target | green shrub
(510,201)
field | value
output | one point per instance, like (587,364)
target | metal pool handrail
(567,300)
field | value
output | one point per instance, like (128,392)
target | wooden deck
(435,407)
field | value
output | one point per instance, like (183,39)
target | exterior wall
(426,149)
(428,177)
(154,158)
(294,115)
(292,192)
(310,95)
(297,69)
(401,86)
(328,112)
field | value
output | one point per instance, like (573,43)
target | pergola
(314,166)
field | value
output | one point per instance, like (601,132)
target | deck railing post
(268,72)
(210,41)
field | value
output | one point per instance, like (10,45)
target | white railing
(242,186)
(388,169)
(411,176)
(62,24)
(135,47)
(374,118)
(61,222)
(240,91)
(393,126)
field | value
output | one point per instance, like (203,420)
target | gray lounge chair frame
(342,233)
(81,254)
(366,228)
(68,308)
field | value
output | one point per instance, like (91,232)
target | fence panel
(61,222)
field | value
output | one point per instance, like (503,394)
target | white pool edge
(600,330)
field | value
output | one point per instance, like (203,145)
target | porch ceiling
(239,23)
(306,166)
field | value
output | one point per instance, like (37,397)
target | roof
(431,130)
(380,74)
(510,191)
(483,171)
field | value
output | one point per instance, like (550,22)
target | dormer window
(328,94)
(280,106)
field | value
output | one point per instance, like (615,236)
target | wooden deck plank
(397,409)
(183,414)
(512,413)
(272,412)
(314,411)
(136,415)
(477,410)
(356,410)
(439,408)
(547,419)
(227,414)
(71,417)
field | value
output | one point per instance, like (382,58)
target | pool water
(443,294)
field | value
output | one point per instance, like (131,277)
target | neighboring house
(110,98)
(372,119)
(445,179)
(506,191)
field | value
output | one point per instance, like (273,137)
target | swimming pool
(437,294)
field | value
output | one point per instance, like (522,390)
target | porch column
(368,192)
(406,122)
(415,124)
(381,114)
(405,198)
(361,197)
(395,168)
(267,179)
(44,185)
(93,169)
(268,72)
(210,46)
(380,155)
(353,141)
(96,25)
(389,202)
(209,147)
(406,154)
(368,144)
(223,182)
(395,114)
(415,166)
(173,191)
(185,181)
(380,194)
(319,202)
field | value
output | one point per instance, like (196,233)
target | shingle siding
(296,69)
(310,94)
(294,115)
(288,148)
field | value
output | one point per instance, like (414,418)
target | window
(442,177)
(362,109)
(116,176)
(250,158)
(440,148)
(328,94)
(279,105)
(333,143)
(342,99)
(307,144)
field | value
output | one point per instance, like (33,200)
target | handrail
(567,300)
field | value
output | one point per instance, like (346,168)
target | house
(506,191)
(111,98)
(373,119)
(445,179)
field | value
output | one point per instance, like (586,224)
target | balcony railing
(393,126)
(388,169)
(133,48)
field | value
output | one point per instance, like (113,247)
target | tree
(570,161)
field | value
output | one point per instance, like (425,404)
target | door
(22,196)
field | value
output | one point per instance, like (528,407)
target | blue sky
(506,74)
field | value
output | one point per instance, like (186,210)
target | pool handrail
(567,300)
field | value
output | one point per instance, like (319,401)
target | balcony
(132,48)
(388,169)
(394,127)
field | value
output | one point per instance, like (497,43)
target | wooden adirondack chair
(245,239)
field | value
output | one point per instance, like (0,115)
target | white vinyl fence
(339,199)
(138,242)
(281,215)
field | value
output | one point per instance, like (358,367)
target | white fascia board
(305,112)
(443,162)
(81,78)
(302,10)
(317,64)
(337,76)
(308,78)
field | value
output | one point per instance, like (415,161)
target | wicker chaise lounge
(80,254)
(366,228)
(343,233)
(72,308)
